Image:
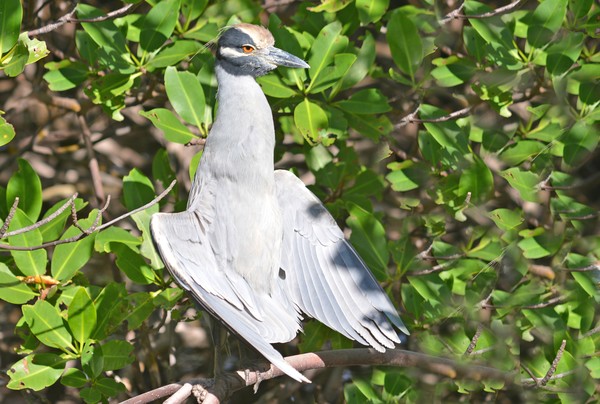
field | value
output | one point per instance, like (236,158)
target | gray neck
(241,142)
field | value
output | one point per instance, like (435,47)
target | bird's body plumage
(255,247)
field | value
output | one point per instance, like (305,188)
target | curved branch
(217,390)
(84,232)
(68,18)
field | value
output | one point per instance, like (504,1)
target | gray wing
(259,319)
(324,276)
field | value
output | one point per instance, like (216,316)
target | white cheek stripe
(231,52)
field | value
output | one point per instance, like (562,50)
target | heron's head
(247,50)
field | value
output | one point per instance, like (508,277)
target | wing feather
(186,251)
(328,280)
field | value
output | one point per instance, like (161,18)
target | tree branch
(456,14)
(412,117)
(217,390)
(84,232)
(93,161)
(68,18)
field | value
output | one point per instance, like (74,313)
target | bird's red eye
(247,48)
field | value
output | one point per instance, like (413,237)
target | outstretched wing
(324,276)
(259,319)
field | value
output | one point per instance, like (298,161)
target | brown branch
(40,223)
(412,117)
(456,14)
(93,228)
(474,340)
(591,332)
(93,161)
(554,365)
(217,390)
(9,218)
(592,267)
(68,18)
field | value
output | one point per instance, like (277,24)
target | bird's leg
(219,338)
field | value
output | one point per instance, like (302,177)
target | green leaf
(46,323)
(405,43)
(476,180)
(30,263)
(111,44)
(546,19)
(174,53)
(332,74)
(521,151)
(367,101)
(12,290)
(110,308)
(158,24)
(452,71)
(140,307)
(329,43)
(7,132)
(81,315)
(92,360)
(368,237)
(109,387)
(26,185)
(11,14)
(580,142)
(365,60)
(65,75)
(36,371)
(506,219)
(15,64)
(373,127)
(173,129)
(273,86)
(587,284)
(117,354)
(371,11)
(192,9)
(523,181)
(105,239)
(69,258)
(73,377)
(90,395)
(133,264)
(137,189)
(406,176)
(311,121)
(186,95)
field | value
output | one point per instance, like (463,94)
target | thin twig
(555,377)
(68,18)
(94,228)
(412,117)
(592,267)
(456,14)
(38,224)
(474,340)
(554,365)
(93,161)
(551,302)
(9,218)
(591,332)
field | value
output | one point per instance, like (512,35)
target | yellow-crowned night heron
(255,247)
